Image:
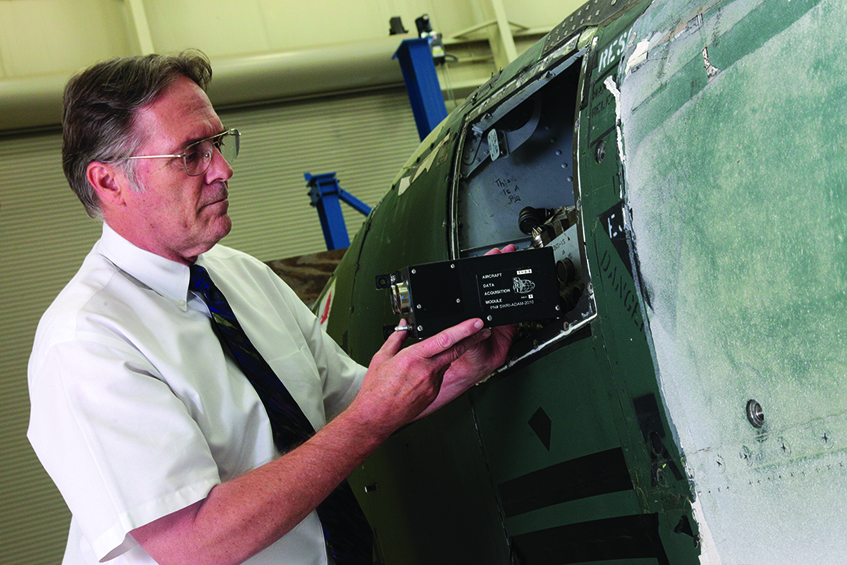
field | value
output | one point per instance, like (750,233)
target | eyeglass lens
(199,156)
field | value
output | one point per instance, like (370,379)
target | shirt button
(181,303)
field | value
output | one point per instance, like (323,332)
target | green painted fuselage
(702,148)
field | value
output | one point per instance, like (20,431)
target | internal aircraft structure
(686,162)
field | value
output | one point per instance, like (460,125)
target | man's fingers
(444,340)
(508,249)
(450,355)
(391,346)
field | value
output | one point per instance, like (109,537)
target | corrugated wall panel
(44,235)
(364,138)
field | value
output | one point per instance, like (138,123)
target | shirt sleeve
(120,446)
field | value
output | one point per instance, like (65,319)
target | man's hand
(401,383)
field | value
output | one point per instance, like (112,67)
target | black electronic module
(502,288)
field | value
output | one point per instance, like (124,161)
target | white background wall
(364,135)
(56,36)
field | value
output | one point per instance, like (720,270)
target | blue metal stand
(422,84)
(326,196)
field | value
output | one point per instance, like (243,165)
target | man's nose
(219,168)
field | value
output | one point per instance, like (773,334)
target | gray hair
(100,105)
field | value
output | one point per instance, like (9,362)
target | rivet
(600,152)
(755,414)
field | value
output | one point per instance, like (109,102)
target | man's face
(176,215)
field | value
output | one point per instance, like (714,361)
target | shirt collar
(166,277)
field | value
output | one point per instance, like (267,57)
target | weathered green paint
(740,231)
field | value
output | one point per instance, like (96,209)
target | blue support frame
(326,196)
(422,84)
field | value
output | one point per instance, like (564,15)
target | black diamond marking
(542,426)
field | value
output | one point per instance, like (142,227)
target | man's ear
(108,181)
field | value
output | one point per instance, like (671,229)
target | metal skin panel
(710,195)
(756,90)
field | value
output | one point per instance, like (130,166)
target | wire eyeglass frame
(198,156)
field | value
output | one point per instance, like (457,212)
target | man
(160,445)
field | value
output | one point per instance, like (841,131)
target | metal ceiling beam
(36,102)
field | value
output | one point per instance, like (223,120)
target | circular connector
(530,218)
(400,299)
(566,271)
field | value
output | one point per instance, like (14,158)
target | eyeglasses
(198,156)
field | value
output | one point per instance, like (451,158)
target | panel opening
(517,184)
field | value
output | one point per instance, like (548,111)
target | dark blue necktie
(346,530)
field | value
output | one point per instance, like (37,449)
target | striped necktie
(346,530)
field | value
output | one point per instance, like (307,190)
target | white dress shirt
(137,412)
